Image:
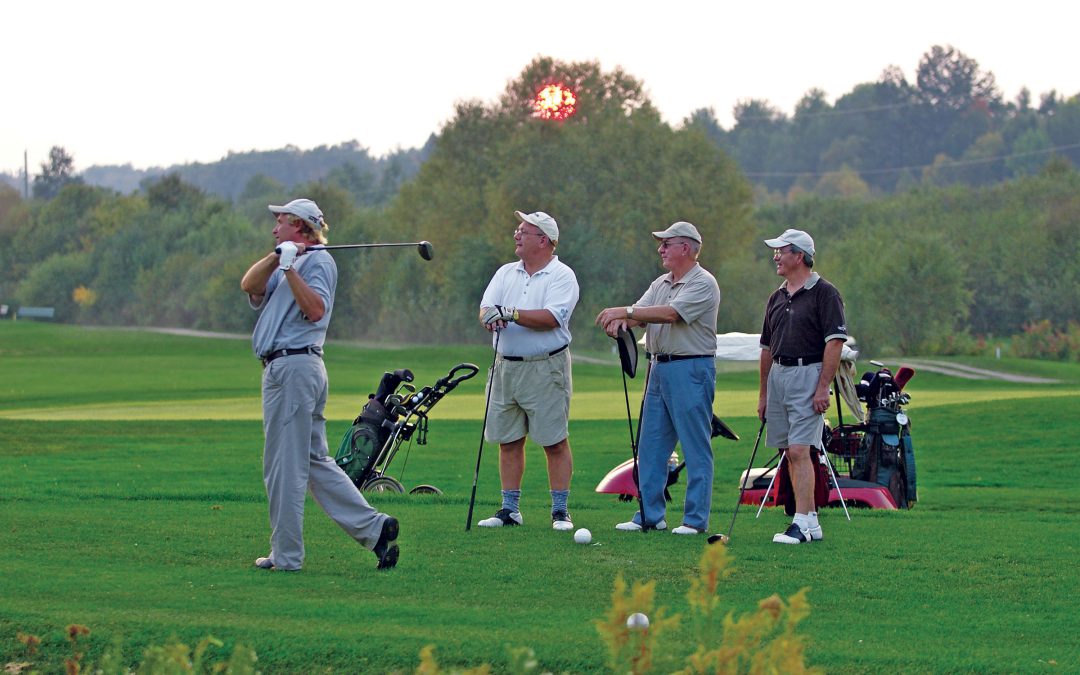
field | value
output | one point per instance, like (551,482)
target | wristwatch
(630,312)
(515,317)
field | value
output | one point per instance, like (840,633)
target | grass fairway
(131,502)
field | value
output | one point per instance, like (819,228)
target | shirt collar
(810,282)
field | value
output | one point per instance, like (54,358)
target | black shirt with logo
(799,325)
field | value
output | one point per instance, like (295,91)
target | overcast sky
(156,84)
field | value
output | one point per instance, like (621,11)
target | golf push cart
(391,416)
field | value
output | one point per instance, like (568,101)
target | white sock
(802,520)
(811,519)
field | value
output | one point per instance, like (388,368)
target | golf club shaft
(742,487)
(483,430)
(320,247)
(634,447)
(424,248)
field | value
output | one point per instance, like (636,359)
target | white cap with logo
(542,220)
(302,208)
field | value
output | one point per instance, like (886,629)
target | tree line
(930,269)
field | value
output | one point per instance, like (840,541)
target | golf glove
(498,313)
(287,255)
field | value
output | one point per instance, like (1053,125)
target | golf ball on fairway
(637,621)
(582,536)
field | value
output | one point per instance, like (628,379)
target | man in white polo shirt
(679,311)
(527,307)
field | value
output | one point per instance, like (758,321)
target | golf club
(726,538)
(628,360)
(483,430)
(645,525)
(424,248)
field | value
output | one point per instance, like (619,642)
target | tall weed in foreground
(172,657)
(763,641)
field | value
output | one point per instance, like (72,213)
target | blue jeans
(678,408)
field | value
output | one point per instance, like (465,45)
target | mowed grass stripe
(591,405)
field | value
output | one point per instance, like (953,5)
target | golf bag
(389,418)
(886,455)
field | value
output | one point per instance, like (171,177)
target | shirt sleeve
(833,321)
(700,297)
(562,295)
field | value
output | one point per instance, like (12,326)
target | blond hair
(309,232)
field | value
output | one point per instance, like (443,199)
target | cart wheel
(383,484)
(425,490)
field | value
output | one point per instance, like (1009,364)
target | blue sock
(558,500)
(511,499)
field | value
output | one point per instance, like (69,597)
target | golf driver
(628,355)
(483,430)
(422,247)
(726,538)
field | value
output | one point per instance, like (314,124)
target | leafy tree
(610,174)
(55,174)
(947,79)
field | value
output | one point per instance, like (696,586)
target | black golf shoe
(385,549)
(502,517)
(560,520)
(793,535)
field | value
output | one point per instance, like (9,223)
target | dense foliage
(931,268)
(951,126)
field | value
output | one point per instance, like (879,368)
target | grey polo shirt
(281,325)
(696,298)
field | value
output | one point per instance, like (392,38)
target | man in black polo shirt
(801,338)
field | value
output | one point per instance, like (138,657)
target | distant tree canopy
(950,127)
(55,174)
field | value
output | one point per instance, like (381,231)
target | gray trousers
(295,460)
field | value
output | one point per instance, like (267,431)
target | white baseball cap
(542,220)
(302,208)
(796,238)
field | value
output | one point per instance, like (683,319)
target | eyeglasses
(667,243)
(525,232)
(777,252)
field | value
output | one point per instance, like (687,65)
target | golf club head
(720,428)
(425,250)
(628,351)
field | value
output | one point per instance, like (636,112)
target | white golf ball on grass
(637,621)
(582,536)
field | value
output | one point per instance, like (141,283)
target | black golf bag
(886,455)
(389,418)
(363,443)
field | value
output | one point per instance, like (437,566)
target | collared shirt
(554,288)
(281,325)
(696,298)
(799,325)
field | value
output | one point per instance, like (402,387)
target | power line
(876,172)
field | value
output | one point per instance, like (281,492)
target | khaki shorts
(530,398)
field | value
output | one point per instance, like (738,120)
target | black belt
(523,358)
(315,351)
(664,358)
(797,361)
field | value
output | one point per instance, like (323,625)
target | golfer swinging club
(530,302)
(801,338)
(679,311)
(295,294)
